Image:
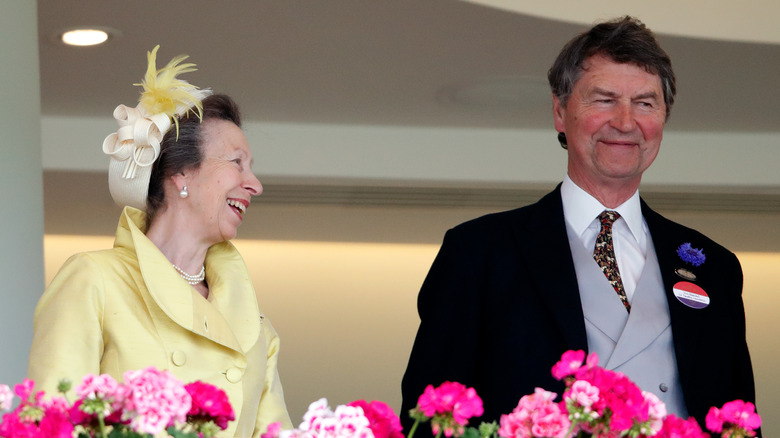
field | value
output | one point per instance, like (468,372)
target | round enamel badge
(691,295)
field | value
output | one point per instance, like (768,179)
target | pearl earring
(184,193)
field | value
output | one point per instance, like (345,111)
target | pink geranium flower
(619,396)
(320,422)
(15,425)
(154,400)
(656,411)
(469,405)
(24,390)
(735,418)
(56,419)
(674,427)
(149,400)
(99,395)
(449,407)
(582,394)
(451,398)
(579,400)
(573,363)
(103,386)
(383,421)
(605,402)
(209,403)
(6,397)
(570,362)
(36,417)
(536,415)
(273,430)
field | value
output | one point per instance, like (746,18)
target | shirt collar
(580,209)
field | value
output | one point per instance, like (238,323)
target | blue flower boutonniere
(691,255)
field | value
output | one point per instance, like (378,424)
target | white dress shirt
(630,234)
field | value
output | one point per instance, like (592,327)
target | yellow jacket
(126,308)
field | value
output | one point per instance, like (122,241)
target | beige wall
(403,154)
(346,312)
(762,302)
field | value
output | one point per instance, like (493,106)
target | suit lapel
(649,315)
(667,236)
(544,246)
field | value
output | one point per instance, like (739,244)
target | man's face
(614,121)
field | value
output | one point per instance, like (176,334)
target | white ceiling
(748,21)
(441,63)
(393,63)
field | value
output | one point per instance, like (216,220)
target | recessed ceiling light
(84,37)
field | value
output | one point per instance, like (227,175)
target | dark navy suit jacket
(501,304)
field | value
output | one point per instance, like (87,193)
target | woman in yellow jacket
(139,303)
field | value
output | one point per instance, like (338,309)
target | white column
(21,185)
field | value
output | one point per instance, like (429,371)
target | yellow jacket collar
(231,318)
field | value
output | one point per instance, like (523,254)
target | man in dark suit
(510,292)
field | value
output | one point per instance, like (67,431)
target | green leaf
(488,429)
(121,432)
(470,432)
(176,433)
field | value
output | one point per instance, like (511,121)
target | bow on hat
(135,146)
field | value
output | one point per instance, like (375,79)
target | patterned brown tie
(604,254)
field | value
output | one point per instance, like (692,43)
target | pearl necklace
(192,279)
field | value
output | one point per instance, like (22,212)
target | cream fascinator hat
(135,146)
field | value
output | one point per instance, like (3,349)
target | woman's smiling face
(222,187)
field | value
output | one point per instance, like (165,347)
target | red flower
(449,406)
(384,422)
(56,420)
(736,416)
(619,395)
(79,417)
(52,420)
(209,403)
(675,427)
(15,426)
(451,398)
(570,363)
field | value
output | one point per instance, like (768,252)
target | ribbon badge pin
(691,295)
